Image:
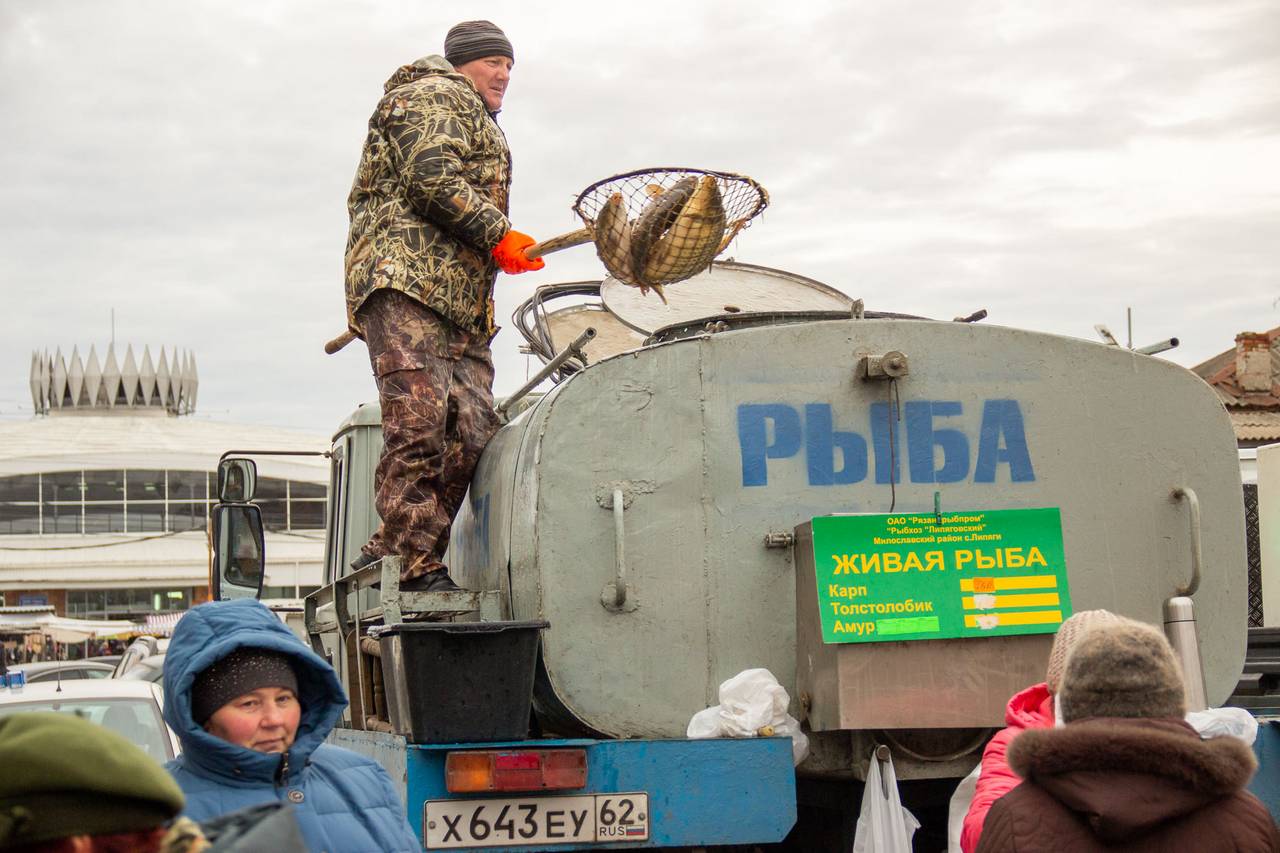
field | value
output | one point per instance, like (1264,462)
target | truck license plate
(595,818)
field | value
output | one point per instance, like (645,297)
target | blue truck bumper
(701,792)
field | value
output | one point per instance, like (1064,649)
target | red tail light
(474,771)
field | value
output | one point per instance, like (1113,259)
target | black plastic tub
(459,682)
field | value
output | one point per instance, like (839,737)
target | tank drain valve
(891,365)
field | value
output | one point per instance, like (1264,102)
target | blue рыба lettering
(926,438)
(916,442)
(822,440)
(754,421)
(923,437)
(1002,419)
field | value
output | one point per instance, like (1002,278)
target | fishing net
(654,226)
(657,226)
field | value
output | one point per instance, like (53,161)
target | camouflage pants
(435,383)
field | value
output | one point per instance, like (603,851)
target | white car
(130,708)
(139,650)
(64,670)
(147,669)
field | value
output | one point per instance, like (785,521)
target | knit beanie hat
(476,40)
(244,670)
(1122,670)
(63,775)
(1068,633)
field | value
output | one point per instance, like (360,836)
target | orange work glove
(509,253)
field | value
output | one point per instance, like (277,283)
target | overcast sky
(187,164)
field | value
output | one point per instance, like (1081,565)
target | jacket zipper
(284,769)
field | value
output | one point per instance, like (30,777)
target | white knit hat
(1069,633)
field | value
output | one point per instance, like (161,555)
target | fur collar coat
(1131,784)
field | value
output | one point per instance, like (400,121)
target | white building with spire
(72,385)
(105,493)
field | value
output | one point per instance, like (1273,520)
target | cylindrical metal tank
(717,441)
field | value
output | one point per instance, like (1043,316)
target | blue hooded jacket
(344,802)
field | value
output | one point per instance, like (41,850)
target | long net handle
(537,250)
(339,342)
(555,244)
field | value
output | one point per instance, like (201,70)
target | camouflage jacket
(429,201)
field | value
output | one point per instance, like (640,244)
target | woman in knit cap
(252,706)
(1030,709)
(1127,772)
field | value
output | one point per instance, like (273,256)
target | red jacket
(1030,709)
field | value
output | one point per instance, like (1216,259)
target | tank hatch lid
(612,335)
(726,288)
(729,322)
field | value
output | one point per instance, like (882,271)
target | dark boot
(363,561)
(437,581)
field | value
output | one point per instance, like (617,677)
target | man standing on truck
(429,231)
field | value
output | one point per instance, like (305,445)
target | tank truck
(890,514)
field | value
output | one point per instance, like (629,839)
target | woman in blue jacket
(252,706)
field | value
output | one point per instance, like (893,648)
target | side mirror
(239,551)
(237,480)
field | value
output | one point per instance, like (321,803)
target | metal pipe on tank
(1180,614)
(619,552)
(1157,347)
(1180,628)
(573,349)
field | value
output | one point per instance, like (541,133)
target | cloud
(187,165)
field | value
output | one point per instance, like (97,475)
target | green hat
(63,775)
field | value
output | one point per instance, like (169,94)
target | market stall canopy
(162,624)
(64,629)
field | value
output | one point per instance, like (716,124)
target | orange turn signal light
(475,771)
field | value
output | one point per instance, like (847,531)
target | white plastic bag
(752,703)
(1209,723)
(1225,722)
(790,727)
(959,808)
(705,723)
(884,826)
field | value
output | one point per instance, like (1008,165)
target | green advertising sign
(913,576)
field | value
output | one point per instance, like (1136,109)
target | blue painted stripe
(701,792)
